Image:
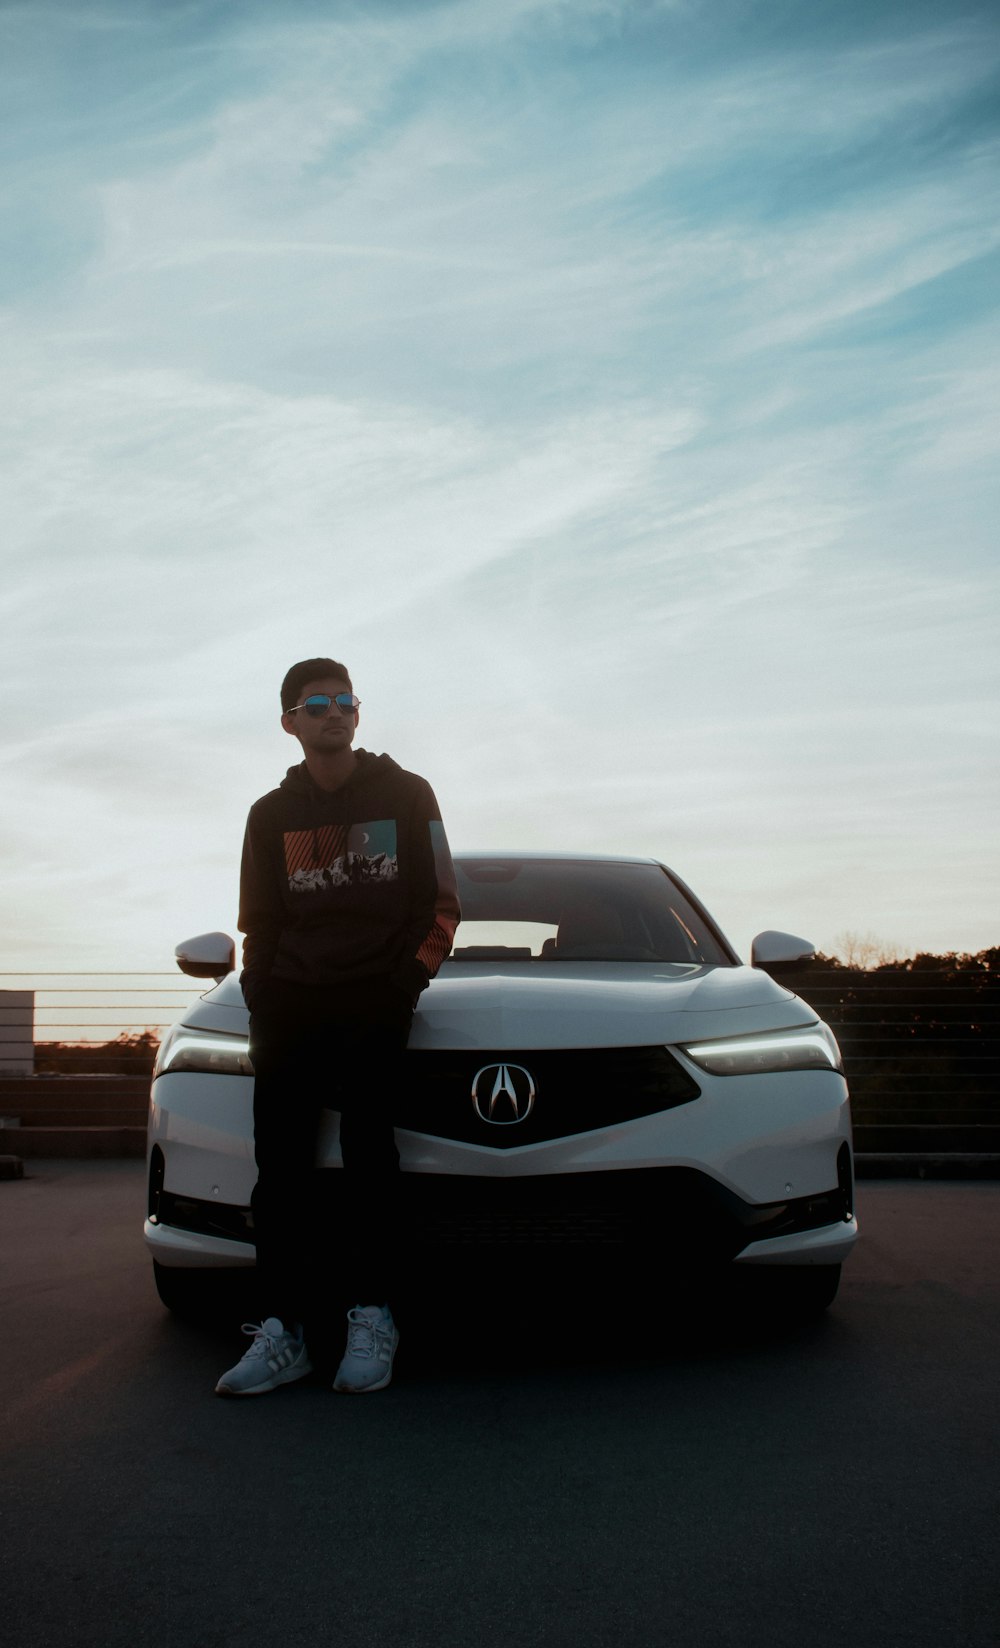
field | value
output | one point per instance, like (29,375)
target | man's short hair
(310,669)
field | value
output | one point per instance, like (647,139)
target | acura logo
(502,1094)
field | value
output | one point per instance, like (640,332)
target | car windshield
(555,910)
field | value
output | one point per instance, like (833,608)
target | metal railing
(921,1045)
(106,1023)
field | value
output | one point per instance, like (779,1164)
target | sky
(611,384)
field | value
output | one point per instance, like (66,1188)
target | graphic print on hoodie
(341,855)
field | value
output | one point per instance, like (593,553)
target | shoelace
(263,1343)
(360,1335)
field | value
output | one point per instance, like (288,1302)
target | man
(348,905)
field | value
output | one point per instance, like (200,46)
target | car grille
(592,1210)
(521,1229)
(575,1091)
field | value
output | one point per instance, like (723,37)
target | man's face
(322,734)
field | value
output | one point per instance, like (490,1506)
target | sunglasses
(320,702)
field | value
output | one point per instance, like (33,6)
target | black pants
(321,1235)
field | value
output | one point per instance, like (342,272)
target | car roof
(524,854)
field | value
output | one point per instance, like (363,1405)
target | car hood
(571,1004)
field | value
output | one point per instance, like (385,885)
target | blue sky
(613,385)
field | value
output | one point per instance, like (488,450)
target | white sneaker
(372,1338)
(276,1357)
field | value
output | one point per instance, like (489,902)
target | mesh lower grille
(512,1230)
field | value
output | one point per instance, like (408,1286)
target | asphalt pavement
(598,1467)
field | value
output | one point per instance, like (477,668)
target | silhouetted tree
(130,1054)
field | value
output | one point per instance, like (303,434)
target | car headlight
(209,1051)
(813,1047)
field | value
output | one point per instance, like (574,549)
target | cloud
(595,378)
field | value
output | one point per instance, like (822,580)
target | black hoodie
(349,883)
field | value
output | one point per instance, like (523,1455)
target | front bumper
(679,1216)
(754,1170)
(175,1247)
(830,1245)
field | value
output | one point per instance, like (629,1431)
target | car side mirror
(773,949)
(210,955)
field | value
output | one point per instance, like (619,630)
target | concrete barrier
(72,1143)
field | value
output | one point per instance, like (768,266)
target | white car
(592,1067)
